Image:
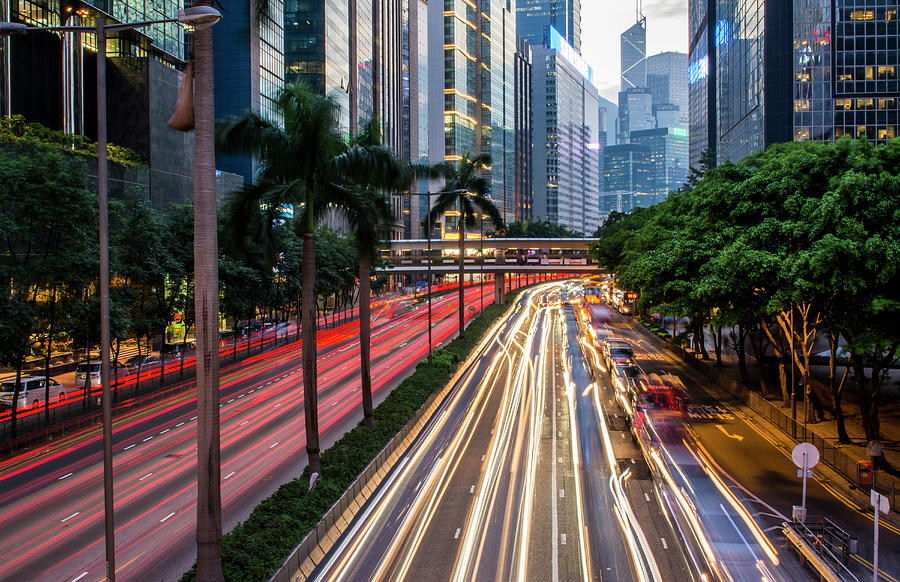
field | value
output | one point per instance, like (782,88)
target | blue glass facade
(535,17)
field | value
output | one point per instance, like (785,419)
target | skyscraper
(633,43)
(248,52)
(667,79)
(51,79)
(472,64)
(523,121)
(535,17)
(635,112)
(809,69)
(566,130)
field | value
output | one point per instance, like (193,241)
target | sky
(602,21)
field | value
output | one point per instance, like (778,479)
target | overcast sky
(602,21)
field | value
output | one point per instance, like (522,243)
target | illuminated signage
(699,70)
(559,44)
(679,131)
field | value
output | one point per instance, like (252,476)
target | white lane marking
(243,423)
(559,434)
(147,439)
(456,535)
(179,424)
(562,539)
(82,575)
(165,431)
(229,475)
(559,459)
(145,476)
(277,405)
(241,396)
(167,517)
(193,418)
(70,517)
(665,545)
(562,493)
(482,457)
(471,489)
(131,446)
(230,401)
(632,461)
(66,475)
(273,445)
(268,383)
(252,391)
(647,497)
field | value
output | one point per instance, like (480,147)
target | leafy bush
(16,128)
(256,548)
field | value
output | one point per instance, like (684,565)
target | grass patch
(256,548)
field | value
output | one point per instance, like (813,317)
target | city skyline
(666,31)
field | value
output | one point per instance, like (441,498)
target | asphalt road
(757,468)
(51,525)
(515,476)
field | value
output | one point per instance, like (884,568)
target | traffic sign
(811,454)
(879,502)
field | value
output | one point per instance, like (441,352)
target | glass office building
(472,64)
(566,132)
(51,79)
(248,52)
(535,17)
(810,69)
(666,161)
(633,54)
(523,120)
(627,178)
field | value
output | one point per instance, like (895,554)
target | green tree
(467,192)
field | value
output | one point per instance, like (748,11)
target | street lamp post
(428,239)
(197,16)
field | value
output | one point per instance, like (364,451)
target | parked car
(145,362)
(176,350)
(92,368)
(31,392)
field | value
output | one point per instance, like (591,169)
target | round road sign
(811,453)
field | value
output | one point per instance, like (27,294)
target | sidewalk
(724,382)
(827,427)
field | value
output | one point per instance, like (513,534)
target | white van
(31,392)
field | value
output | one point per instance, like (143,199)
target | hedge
(256,548)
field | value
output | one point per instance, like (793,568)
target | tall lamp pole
(198,16)
(428,239)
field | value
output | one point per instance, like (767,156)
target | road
(51,526)
(511,477)
(756,468)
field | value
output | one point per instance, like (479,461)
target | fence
(831,455)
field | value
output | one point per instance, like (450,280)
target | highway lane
(487,484)
(52,497)
(734,535)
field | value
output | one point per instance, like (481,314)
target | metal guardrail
(831,455)
(816,554)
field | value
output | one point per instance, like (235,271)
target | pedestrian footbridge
(492,255)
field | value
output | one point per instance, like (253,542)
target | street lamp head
(199,17)
(11,28)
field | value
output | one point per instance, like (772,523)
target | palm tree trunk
(206,314)
(365,340)
(462,250)
(310,390)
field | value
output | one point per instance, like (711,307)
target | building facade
(523,120)
(666,161)
(472,65)
(248,52)
(633,55)
(535,17)
(667,79)
(566,131)
(626,176)
(782,71)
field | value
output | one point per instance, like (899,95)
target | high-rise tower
(634,55)
(535,17)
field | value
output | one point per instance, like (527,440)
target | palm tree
(369,215)
(206,308)
(465,191)
(308,164)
